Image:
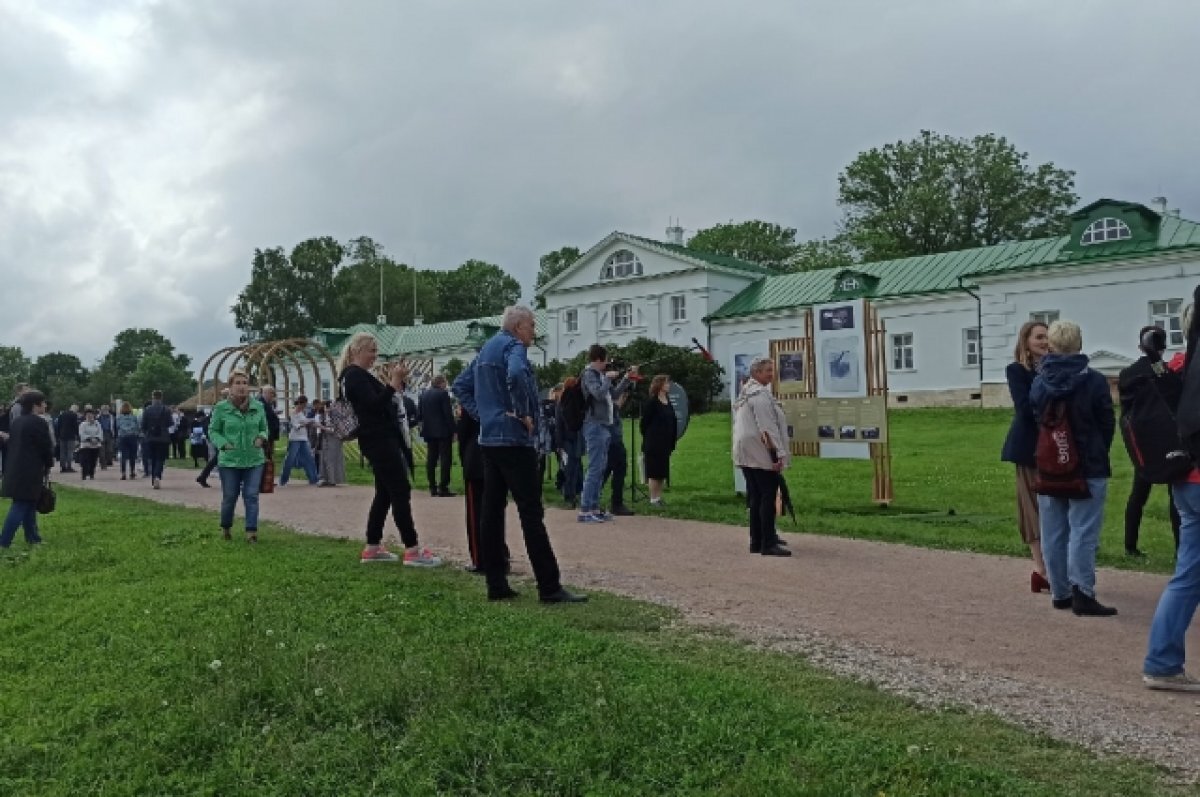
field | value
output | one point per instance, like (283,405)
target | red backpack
(1059,467)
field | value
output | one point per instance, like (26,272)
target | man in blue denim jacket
(498,389)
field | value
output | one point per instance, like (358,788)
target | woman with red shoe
(1020,447)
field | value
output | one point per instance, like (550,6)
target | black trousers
(392,490)
(87,461)
(617,466)
(514,469)
(438,451)
(1138,495)
(209,466)
(762,486)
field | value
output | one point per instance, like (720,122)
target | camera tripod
(636,490)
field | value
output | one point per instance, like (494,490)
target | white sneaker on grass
(377,553)
(1179,682)
(421,557)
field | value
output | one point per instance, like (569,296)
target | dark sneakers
(562,596)
(1087,606)
(1062,603)
(507,594)
(620,510)
(776,550)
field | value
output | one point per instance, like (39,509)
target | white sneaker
(421,557)
(1180,682)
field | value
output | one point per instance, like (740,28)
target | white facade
(625,288)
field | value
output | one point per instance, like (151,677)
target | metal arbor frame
(266,362)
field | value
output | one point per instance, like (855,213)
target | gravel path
(940,627)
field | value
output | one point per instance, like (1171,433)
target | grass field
(951,489)
(143,656)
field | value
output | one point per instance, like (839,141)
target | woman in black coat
(659,428)
(1020,446)
(26,466)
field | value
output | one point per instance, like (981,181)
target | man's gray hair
(759,363)
(267,389)
(514,315)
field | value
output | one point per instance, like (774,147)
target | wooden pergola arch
(271,362)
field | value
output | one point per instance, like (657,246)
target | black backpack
(573,403)
(1150,431)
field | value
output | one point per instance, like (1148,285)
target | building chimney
(381,320)
(418,320)
(1159,203)
(675,234)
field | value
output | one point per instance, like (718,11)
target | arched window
(1106,229)
(621,264)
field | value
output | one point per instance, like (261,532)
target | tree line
(324,283)
(139,362)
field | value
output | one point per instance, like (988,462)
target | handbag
(47,499)
(267,483)
(342,419)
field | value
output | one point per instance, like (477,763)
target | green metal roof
(421,339)
(933,274)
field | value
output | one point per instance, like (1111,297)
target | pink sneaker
(379,554)
(421,557)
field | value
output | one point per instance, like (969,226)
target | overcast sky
(147,148)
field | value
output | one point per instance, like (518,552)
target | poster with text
(789,371)
(839,338)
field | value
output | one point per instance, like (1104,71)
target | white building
(951,319)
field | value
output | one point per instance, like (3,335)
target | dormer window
(849,283)
(1104,230)
(621,264)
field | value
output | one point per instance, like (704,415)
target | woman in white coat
(760,449)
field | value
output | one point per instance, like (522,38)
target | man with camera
(602,413)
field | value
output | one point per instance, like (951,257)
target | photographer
(1141,386)
(601,395)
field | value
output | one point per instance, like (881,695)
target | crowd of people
(1059,441)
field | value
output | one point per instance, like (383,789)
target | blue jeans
(596,438)
(1182,594)
(244,481)
(156,456)
(129,453)
(1070,539)
(21,513)
(299,455)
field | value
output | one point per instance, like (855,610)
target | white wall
(937,326)
(650,296)
(1110,302)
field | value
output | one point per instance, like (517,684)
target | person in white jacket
(91,438)
(760,449)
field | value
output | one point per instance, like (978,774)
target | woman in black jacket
(1020,447)
(659,428)
(28,462)
(380,440)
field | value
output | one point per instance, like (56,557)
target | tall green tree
(756,241)
(475,289)
(938,193)
(60,376)
(552,264)
(159,372)
(821,253)
(289,296)
(14,369)
(132,345)
(358,287)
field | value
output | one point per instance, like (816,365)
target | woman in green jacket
(238,430)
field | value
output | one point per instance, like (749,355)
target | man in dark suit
(68,437)
(437,428)
(156,430)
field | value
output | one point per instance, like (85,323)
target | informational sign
(839,338)
(789,371)
(818,420)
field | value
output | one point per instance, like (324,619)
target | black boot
(1087,606)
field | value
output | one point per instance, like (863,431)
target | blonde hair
(353,346)
(1065,337)
(657,384)
(235,373)
(1021,353)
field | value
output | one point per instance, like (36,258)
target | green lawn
(951,489)
(141,655)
